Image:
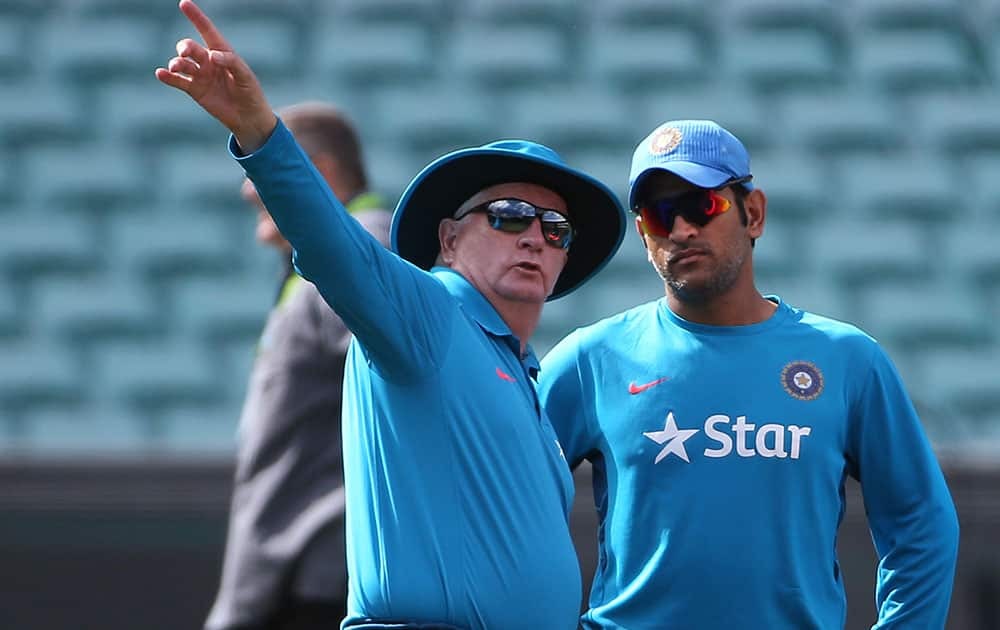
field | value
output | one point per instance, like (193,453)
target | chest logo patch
(504,376)
(802,380)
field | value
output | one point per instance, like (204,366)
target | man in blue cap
(722,424)
(457,488)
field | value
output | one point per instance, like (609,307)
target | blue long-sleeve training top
(720,455)
(457,490)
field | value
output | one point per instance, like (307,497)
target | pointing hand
(218,79)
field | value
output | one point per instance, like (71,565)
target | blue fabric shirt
(457,489)
(720,456)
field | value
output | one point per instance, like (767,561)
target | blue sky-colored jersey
(720,455)
(457,489)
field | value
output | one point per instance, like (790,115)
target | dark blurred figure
(284,566)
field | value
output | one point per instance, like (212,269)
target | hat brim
(440,188)
(698,174)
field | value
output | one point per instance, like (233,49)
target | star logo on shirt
(672,439)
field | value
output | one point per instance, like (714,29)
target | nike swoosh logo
(638,389)
(506,377)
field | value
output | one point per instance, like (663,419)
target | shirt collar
(479,308)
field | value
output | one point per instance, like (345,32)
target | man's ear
(447,236)
(329,168)
(641,232)
(756,207)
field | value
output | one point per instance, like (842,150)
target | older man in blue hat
(722,424)
(457,488)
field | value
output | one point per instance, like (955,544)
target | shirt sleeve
(561,384)
(910,510)
(399,313)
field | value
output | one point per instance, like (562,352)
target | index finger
(211,35)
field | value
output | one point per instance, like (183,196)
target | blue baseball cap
(436,192)
(700,151)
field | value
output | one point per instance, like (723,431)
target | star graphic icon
(673,438)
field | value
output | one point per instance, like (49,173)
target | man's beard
(696,294)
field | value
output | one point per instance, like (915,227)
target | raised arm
(394,309)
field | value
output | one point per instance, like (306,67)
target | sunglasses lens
(516,216)
(697,207)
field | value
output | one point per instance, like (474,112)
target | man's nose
(683,229)
(532,237)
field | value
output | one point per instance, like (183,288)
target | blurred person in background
(285,565)
(457,489)
(722,424)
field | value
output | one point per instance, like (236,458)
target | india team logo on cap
(665,140)
(802,380)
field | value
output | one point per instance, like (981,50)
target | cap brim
(698,174)
(440,188)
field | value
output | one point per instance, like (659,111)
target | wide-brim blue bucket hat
(443,185)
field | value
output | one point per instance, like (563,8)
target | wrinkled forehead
(532,193)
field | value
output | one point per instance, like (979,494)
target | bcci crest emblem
(665,140)
(802,380)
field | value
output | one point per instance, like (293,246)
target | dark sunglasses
(698,207)
(516,215)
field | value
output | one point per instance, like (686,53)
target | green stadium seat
(925,315)
(780,59)
(964,122)
(271,47)
(907,14)
(796,185)
(775,254)
(651,13)
(639,59)
(198,430)
(965,382)
(96,178)
(904,61)
(227,12)
(574,119)
(391,169)
(35,370)
(13,60)
(864,253)
(369,55)
(388,11)
(173,242)
(35,242)
(96,308)
(609,163)
(151,115)
(203,179)
(87,50)
(819,15)
(154,375)
(970,251)
(505,56)
(23,9)
(744,116)
(979,177)
(432,119)
(12,323)
(812,291)
(86,430)
(558,14)
(221,309)
(910,188)
(38,113)
(842,121)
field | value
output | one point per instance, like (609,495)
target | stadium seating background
(132,293)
